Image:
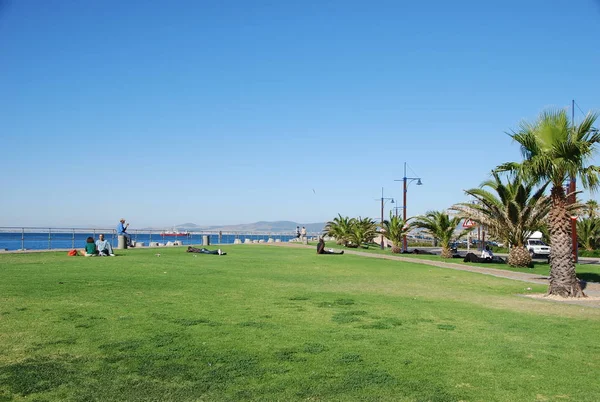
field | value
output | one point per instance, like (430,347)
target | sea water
(51,240)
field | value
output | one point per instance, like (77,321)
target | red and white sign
(468,223)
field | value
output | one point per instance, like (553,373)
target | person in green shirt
(90,247)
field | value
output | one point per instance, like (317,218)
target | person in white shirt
(104,247)
(487,253)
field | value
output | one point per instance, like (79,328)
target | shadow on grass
(585,277)
(36,375)
(161,368)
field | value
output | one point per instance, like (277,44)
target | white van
(536,246)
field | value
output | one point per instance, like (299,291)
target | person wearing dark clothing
(417,251)
(321,248)
(203,250)
(471,257)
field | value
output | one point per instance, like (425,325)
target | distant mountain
(262,226)
(187,225)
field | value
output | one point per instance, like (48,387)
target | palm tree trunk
(518,256)
(446,252)
(563,281)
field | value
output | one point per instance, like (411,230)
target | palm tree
(362,230)
(545,233)
(395,229)
(554,150)
(339,229)
(511,212)
(591,209)
(588,233)
(442,227)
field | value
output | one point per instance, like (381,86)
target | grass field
(276,323)
(585,271)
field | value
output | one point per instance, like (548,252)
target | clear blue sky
(223,112)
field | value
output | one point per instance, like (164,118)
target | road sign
(468,223)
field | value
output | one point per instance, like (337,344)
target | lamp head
(392,201)
(419,183)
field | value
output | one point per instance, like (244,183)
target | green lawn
(585,271)
(275,323)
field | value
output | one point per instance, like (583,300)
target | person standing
(303,233)
(122,231)
(297,232)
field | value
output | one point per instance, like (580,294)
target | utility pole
(406,181)
(382,204)
(382,246)
(572,197)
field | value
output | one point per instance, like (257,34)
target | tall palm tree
(395,229)
(554,150)
(511,211)
(339,229)
(591,209)
(442,227)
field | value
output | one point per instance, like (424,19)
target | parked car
(537,247)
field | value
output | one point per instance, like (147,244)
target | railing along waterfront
(48,238)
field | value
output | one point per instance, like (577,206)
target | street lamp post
(407,181)
(382,203)
(569,188)
(572,200)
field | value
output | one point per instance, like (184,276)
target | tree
(554,150)
(591,209)
(339,229)
(395,229)
(511,213)
(588,233)
(362,230)
(441,226)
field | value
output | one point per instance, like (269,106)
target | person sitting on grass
(203,250)
(472,257)
(487,253)
(321,248)
(417,251)
(90,248)
(104,247)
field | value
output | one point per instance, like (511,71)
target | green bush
(586,253)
